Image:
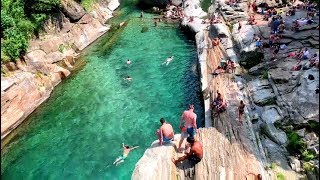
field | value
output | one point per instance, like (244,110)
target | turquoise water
(78,132)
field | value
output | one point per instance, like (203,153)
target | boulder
(261,92)
(280,75)
(271,114)
(274,134)
(72,10)
(301,132)
(295,163)
(156,162)
(276,153)
(113,5)
(243,38)
(303,98)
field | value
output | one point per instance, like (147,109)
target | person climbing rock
(195,154)
(141,14)
(165,133)
(126,151)
(190,125)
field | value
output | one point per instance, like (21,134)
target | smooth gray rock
(274,134)
(295,163)
(271,114)
(276,153)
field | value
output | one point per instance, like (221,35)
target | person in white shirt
(306,54)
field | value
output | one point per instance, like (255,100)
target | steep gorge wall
(29,82)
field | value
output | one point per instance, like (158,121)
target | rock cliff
(49,59)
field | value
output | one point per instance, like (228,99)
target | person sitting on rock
(299,53)
(219,104)
(266,17)
(281,28)
(306,54)
(275,52)
(291,11)
(295,26)
(165,133)
(215,41)
(218,71)
(194,155)
(251,20)
(314,61)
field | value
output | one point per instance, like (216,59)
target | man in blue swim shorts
(190,124)
(165,133)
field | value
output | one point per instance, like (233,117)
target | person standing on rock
(165,133)
(241,111)
(195,154)
(239,26)
(141,14)
(190,125)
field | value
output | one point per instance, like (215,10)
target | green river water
(78,132)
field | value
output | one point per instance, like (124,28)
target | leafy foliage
(280,176)
(20,19)
(308,155)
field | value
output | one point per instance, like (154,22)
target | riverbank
(49,59)
(272,126)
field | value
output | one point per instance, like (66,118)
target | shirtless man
(128,62)
(169,59)
(165,133)
(190,125)
(241,111)
(195,155)
(126,151)
(128,78)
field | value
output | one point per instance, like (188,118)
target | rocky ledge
(222,159)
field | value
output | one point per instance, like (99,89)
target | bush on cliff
(20,19)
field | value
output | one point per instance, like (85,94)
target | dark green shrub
(295,145)
(308,155)
(264,75)
(280,176)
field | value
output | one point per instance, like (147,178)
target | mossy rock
(144,29)
(250,59)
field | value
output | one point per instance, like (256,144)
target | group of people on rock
(188,127)
(303,55)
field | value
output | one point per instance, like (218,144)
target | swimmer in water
(128,78)
(169,59)
(128,62)
(126,151)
